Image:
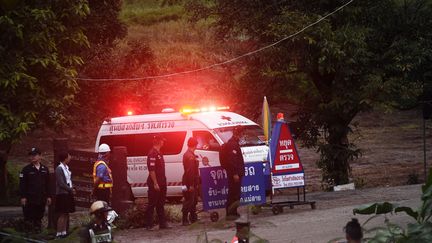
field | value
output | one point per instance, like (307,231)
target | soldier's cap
(158,138)
(34,151)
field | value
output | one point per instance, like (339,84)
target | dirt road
(300,224)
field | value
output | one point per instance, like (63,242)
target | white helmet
(99,206)
(103,148)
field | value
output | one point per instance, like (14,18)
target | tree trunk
(338,153)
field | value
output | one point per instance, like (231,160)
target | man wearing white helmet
(102,176)
(99,229)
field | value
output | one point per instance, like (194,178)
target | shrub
(418,231)
(136,216)
(413,178)
(12,190)
(148,13)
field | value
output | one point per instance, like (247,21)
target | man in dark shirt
(157,184)
(34,189)
(235,172)
(190,183)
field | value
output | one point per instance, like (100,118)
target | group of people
(36,194)
(35,191)
(157,183)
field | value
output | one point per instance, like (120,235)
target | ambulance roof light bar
(186,111)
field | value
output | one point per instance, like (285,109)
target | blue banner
(215,186)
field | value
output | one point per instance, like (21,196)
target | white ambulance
(211,126)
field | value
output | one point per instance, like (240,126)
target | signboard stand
(214,188)
(286,169)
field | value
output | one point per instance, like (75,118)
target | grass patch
(408,127)
(149,12)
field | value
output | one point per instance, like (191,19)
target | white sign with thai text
(285,181)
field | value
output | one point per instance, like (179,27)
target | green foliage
(359,183)
(135,217)
(150,12)
(418,231)
(102,26)
(133,58)
(38,48)
(12,190)
(413,178)
(372,53)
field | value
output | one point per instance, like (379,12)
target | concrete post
(242,231)
(121,191)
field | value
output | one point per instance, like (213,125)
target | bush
(12,190)
(136,216)
(420,230)
(148,12)
(359,183)
(413,178)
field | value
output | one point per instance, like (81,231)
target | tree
(109,56)
(362,57)
(39,49)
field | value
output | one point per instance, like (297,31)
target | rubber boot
(193,217)
(185,221)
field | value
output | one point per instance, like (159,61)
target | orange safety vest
(103,184)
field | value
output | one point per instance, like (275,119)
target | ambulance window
(140,144)
(206,141)
(251,136)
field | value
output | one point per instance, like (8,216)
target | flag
(266,116)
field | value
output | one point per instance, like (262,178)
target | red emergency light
(130,113)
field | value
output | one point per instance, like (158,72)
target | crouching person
(98,230)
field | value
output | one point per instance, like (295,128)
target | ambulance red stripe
(145,184)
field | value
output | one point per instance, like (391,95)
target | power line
(224,62)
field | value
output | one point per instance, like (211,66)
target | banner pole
(271,171)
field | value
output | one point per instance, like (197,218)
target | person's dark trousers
(156,199)
(103,195)
(234,193)
(189,205)
(33,214)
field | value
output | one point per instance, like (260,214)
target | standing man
(190,182)
(157,184)
(235,172)
(102,176)
(34,189)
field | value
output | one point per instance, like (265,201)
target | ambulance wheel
(280,209)
(214,216)
(291,206)
(276,210)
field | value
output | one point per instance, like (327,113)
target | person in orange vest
(102,176)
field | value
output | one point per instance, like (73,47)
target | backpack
(224,156)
